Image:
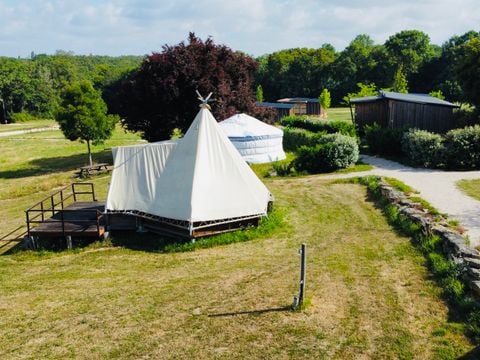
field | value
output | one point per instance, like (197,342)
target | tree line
(155,94)
(407,56)
(34,86)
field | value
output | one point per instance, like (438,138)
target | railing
(56,203)
(12,237)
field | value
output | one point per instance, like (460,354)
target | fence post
(298,300)
(74,194)
(69,242)
(53,205)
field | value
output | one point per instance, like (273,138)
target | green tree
(363,90)
(400,83)
(437,93)
(410,49)
(259,93)
(324,100)
(83,115)
(468,70)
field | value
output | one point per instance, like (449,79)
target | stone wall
(454,244)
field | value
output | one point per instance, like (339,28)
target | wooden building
(397,110)
(302,106)
(281,109)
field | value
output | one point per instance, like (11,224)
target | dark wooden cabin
(281,109)
(397,110)
(302,106)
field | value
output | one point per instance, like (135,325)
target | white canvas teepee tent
(256,141)
(203,180)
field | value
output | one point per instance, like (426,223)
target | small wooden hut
(397,110)
(302,106)
(281,109)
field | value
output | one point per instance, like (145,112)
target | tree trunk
(89,153)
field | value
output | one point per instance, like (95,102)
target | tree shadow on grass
(55,164)
(253,312)
(471,355)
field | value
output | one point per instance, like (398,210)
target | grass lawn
(342,113)
(369,294)
(33,165)
(470,187)
(40,123)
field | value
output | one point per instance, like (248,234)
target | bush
(293,138)
(329,126)
(424,148)
(334,151)
(463,148)
(383,141)
(22,117)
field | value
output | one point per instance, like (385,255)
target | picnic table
(93,169)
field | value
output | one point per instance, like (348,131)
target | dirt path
(27,131)
(437,187)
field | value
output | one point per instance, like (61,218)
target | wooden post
(74,194)
(303,270)
(69,242)
(298,299)
(53,204)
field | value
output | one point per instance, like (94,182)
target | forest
(407,61)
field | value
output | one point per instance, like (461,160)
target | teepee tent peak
(256,141)
(206,178)
(204,101)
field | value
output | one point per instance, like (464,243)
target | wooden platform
(80,219)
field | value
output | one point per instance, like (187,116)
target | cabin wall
(421,116)
(370,112)
(398,114)
(313,108)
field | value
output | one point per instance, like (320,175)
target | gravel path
(437,187)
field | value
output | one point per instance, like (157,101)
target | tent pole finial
(204,101)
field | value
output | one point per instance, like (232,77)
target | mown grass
(34,165)
(39,123)
(369,293)
(470,187)
(342,113)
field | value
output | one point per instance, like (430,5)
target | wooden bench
(93,169)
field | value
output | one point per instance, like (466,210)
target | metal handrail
(63,198)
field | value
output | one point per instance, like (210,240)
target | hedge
(424,148)
(328,126)
(294,138)
(334,151)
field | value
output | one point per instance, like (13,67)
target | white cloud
(254,26)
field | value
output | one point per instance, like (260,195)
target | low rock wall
(454,244)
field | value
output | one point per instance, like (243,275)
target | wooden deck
(79,219)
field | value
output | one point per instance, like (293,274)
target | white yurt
(256,141)
(195,186)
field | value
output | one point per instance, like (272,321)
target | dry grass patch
(369,293)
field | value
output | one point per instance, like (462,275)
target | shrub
(283,168)
(329,126)
(383,141)
(22,117)
(293,138)
(463,147)
(334,151)
(424,148)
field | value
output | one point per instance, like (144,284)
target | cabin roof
(414,98)
(298,100)
(275,105)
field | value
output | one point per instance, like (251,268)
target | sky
(256,27)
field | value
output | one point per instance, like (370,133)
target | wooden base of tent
(118,221)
